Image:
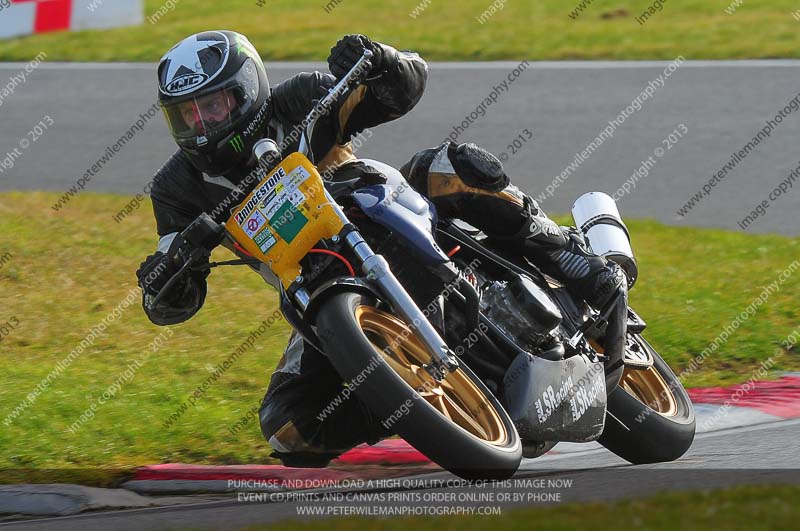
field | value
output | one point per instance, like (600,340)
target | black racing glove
(185,297)
(349,50)
(155,272)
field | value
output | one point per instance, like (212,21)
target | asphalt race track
(721,105)
(752,455)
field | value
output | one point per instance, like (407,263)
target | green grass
(69,269)
(746,508)
(523,29)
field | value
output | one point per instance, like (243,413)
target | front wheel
(650,416)
(455,421)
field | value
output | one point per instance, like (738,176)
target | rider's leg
(305,415)
(467,182)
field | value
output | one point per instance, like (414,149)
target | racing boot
(306,417)
(586,275)
(467,182)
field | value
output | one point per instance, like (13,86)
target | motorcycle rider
(214,92)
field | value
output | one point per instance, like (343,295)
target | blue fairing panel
(399,208)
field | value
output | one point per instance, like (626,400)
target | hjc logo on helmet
(185,82)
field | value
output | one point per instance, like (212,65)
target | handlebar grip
(204,233)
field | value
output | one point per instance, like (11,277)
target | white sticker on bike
(265,240)
(552,399)
(254,223)
(583,399)
(285,190)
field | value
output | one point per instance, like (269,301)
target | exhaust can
(597,216)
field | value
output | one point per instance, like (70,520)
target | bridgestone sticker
(259,196)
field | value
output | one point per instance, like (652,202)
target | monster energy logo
(237,143)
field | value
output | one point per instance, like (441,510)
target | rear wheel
(455,421)
(650,416)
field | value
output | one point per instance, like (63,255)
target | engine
(524,312)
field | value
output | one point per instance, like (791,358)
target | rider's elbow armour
(467,182)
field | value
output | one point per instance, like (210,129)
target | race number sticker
(254,223)
(276,210)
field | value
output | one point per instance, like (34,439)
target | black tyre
(654,407)
(456,422)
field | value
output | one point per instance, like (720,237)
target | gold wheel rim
(456,397)
(650,388)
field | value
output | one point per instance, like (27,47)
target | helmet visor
(212,115)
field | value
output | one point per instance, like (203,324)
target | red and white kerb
(25,17)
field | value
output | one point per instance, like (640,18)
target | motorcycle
(473,356)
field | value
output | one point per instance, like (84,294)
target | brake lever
(238,261)
(204,233)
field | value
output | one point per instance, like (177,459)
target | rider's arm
(385,96)
(173,213)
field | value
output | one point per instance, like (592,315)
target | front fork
(377,269)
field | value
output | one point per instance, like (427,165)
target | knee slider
(477,167)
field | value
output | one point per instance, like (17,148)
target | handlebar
(355,75)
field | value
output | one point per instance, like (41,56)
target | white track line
(745,429)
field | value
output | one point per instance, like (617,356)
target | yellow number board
(284,217)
